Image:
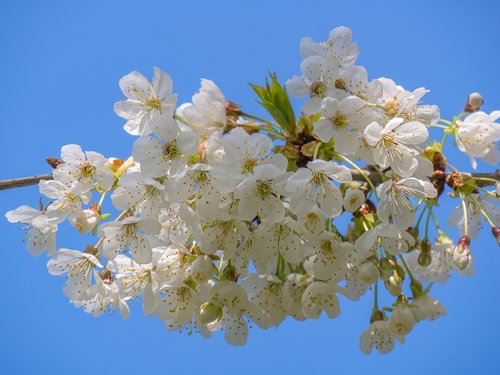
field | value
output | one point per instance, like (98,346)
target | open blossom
(395,101)
(313,186)
(78,267)
(402,319)
(395,144)
(139,279)
(67,200)
(101,296)
(427,308)
(164,155)
(339,49)
(149,105)
(478,136)
(259,194)
(84,168)
(129,233)
(317,82)
(269,293)
(325,65)
(387,236)
(328,260)
(232,299)
(395,199)
(243,152)
(145,194)
(42,235)
(474,203)
(207,113)
(342,120)
(318,297)
(379,335)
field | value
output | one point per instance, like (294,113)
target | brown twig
(23,181)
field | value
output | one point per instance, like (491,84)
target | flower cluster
(226,219)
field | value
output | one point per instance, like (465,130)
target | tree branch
(371,173)
(23,181)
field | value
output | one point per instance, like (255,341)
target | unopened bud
(474,102)
(496,234)
(210,313)
(425,245)
(461,253)
(54,162)
(386,268)
(425,258)
(394,285)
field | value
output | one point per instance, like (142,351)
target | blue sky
(60,66)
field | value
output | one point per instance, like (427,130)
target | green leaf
(274,98)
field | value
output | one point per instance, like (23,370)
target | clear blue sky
(60,66)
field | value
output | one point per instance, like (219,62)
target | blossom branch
(482,178)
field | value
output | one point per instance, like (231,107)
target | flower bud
(474,102)
(368,272)
(496,234)
(386,268)
(425,245)
(425,256)
(210,313)
(461,253)
(84,221)
(394,285)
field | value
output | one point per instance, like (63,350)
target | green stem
(434,219)
(244,114)
(426,236)
(361,172)
(179,118)
(483,213)
(466,218)
(413,280)
(417,224)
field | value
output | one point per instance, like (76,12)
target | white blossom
(149,105)
(478,136)
(395,144)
